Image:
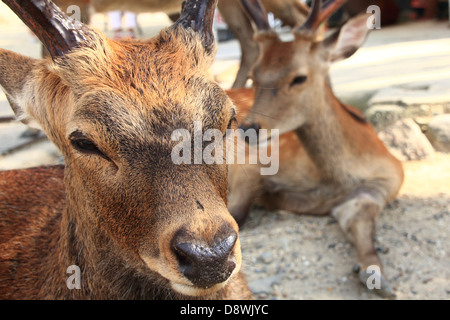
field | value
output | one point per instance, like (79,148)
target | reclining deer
(136,225)
(330,158)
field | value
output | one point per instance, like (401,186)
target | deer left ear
(343,43)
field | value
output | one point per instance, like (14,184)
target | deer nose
(206,266)
(255,126)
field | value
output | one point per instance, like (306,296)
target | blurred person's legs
(130,23)
(115,20)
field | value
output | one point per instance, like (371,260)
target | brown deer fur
(331,160)
(116,210)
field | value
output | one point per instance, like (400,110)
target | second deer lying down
(330,158)
(135,224)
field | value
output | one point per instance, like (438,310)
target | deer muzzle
(206,265)
(198,260)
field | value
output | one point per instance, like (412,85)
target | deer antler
(57,32)
(313,15)
(258,14)
(199,16)
(319,13)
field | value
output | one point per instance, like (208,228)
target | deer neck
(102,264)
(323,136)
(91,252)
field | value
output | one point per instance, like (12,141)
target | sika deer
(137,225)
(331,160)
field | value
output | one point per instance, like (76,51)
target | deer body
(331,160)
(136,224)
(310,180)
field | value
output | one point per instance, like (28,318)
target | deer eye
(84,145)
(298,80)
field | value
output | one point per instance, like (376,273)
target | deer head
(289,78)
(111,108)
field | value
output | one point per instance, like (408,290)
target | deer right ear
(15,71)
(345,42)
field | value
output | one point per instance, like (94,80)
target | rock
(382,249)
(382,116)
(264,285)
(266,257)
(405,140)
(439,132)
(423,122)
(418,100)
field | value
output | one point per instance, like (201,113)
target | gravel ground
(288,256)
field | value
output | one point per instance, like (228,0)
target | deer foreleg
(357,218)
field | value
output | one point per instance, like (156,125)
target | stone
(423,122)
(405,140)
(439,132)
(266,257)
(383,116)
(264,285)
(420,100)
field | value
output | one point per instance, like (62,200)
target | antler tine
(199,16)
(319,13)
(258,14)
(57,32)
(313,15)
(327,10)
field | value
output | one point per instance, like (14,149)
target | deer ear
(15,70)
(343,43)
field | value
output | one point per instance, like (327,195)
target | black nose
(202,264)
(250,137)
(254,126)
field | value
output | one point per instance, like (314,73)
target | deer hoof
(376,283)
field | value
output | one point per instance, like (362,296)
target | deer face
(111,107)
(283,78)
(289,77)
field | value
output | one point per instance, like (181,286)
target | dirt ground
(287,256)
